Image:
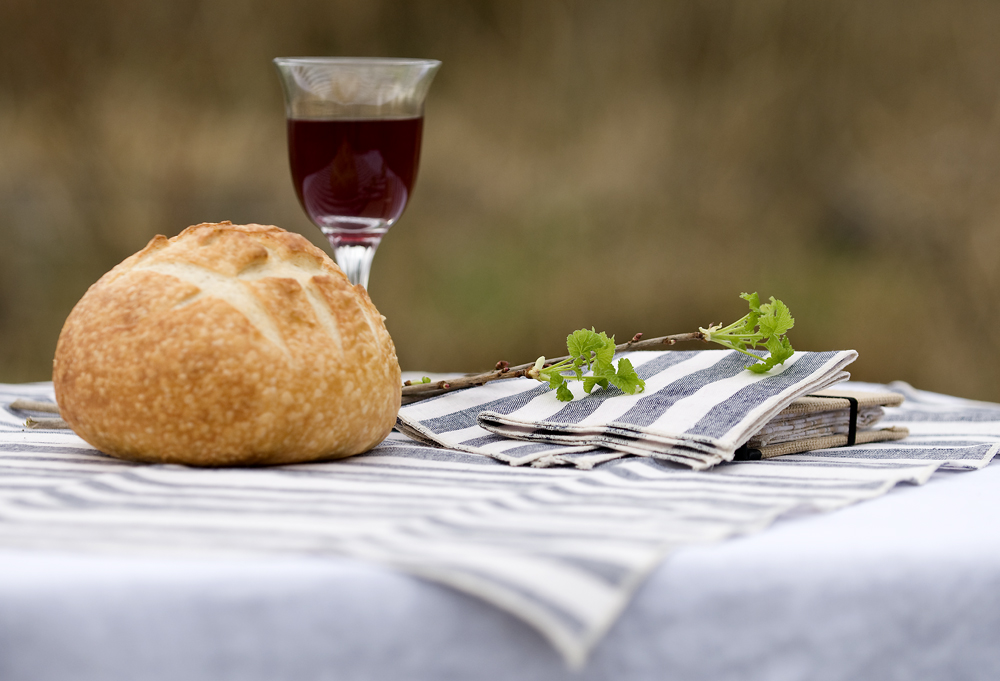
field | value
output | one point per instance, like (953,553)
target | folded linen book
(699,408)
(837,417)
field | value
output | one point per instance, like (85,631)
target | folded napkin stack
(698,409)
(837,417)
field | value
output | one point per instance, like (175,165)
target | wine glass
(354,131)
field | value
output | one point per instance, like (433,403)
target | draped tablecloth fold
(562,548)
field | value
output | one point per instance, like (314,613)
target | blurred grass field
(632,166)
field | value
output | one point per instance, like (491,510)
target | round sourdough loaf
(227,345)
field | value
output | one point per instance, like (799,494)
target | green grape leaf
(582,342)
(563,394)
(604,355)
(590,381)
(753,299)
(780,349)
(775,320)
(555,379)
(626,379)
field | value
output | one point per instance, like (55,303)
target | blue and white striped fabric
(697,409)
(562,548)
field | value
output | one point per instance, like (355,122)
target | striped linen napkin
(697,409)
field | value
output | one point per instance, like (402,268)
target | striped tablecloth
(562,548)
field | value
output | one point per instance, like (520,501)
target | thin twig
(45,424)
(421,391)
(22,404)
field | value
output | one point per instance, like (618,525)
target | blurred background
(629,165)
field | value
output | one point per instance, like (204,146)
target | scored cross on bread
(233,289)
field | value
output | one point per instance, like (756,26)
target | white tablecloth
(906,586)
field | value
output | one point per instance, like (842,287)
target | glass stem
(356,260)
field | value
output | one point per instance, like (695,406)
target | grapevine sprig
(591,355)
(764,326)
(592,350)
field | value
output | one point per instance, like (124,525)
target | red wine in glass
(353,177)
(354,129)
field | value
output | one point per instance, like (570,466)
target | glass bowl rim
(357,61)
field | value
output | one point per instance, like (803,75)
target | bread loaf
(227,345)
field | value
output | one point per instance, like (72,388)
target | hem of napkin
(425,436)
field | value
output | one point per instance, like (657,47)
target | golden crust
(227,345)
